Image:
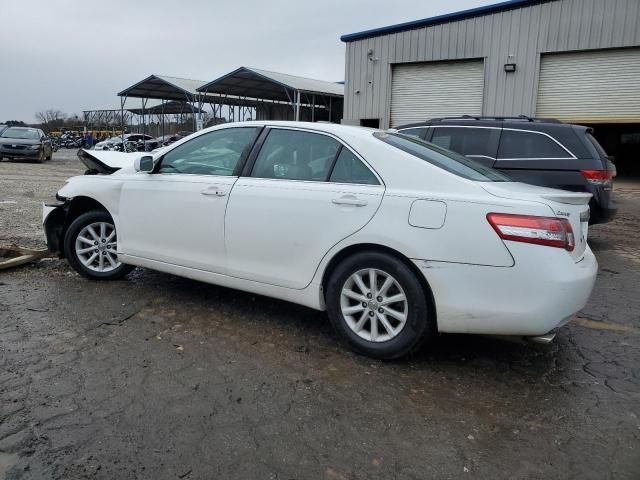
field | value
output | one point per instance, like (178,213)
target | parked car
(536,151)
(25,143)
(116,143)
(396,238)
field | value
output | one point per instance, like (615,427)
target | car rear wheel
(378,306)
(90,247)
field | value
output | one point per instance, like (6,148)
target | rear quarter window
(523,144)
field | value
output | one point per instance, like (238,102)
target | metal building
(574,60)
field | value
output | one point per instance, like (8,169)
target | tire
(405,337)
(41,158)
(83,263)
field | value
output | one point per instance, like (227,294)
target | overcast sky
(74,55)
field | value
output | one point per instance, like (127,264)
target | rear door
(304,192)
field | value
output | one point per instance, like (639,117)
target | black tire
(420,325)
(72,257)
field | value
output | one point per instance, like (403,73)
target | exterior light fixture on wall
(509,67)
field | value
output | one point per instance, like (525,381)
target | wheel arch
(57,223)
(372,247)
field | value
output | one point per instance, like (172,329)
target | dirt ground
(159,377)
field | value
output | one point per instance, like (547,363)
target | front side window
(295,155)
(520,144)
(349,169)
(440,157)
(467,141)
(214,153)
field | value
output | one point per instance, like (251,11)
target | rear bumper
(539,293)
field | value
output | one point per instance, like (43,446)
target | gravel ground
(159,377)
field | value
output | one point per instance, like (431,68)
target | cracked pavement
(159,377)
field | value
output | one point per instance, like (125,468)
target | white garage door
(590,87)
(420,91)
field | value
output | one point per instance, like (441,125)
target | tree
(14,123)
(51,117)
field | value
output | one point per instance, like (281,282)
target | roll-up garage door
(591,87)
(420,91)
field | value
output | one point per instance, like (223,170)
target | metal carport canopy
(164,87)
(267,85)
(168,108)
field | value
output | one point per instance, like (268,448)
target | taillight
(598,177)
(550,231)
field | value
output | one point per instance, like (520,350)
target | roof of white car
(333,128)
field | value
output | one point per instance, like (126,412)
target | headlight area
(36,147)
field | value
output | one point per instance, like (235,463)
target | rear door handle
(214,191)
(349,200)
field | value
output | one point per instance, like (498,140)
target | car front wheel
(90,247)
(377,304)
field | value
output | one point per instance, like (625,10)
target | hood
(106,162)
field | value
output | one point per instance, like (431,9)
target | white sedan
(396,238)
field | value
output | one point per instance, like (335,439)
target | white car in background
(396,238)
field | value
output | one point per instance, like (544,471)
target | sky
(76,55)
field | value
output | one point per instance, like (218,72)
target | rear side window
(349,169)
(414,132)
(520,144)
(445,159)
(467,141)
(295,155)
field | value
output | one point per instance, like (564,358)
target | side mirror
(144,164)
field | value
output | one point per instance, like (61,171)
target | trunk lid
(574,206)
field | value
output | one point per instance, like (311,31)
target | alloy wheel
(374,305)
(95,247)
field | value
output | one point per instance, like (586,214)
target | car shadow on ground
(291,323)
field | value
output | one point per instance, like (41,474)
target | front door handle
(214,191)
(349,200)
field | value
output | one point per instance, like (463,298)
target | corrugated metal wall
(524,33)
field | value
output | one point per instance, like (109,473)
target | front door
(306,192)
(176,214)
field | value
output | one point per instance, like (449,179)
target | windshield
(441,157)
(23,133)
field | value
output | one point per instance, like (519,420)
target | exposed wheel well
(80,205)
(59,220)
(369,247)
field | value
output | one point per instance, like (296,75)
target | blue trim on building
(448,17)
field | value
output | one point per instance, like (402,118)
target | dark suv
(537,151)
